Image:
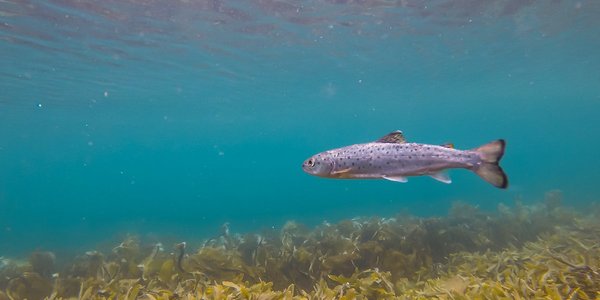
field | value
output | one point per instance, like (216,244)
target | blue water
(169,118)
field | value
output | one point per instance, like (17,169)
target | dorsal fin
(395,137)
(448,145)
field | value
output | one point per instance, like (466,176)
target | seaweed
(543,250)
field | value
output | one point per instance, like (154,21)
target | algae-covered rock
(28,286)
(42,263)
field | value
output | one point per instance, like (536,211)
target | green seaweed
(542,250)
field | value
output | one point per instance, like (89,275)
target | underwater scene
(282,149)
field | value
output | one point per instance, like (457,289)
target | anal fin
(442,177)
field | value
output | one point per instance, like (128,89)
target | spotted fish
(392,158)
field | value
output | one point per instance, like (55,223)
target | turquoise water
(170,118)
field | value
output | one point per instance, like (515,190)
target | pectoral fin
(341,172)
(396,178)
(441,176)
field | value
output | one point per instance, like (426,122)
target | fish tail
(489,169)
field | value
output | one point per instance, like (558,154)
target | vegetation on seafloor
(543,251)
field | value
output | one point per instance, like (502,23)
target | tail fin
(489,169)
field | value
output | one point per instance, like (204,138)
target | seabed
(541,251)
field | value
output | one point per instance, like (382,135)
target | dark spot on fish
(409,157)
(353,164)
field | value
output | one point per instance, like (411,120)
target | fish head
(321,164)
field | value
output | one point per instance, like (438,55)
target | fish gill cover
(125,124)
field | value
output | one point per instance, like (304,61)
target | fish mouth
(305,168)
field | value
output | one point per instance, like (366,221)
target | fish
(393,158)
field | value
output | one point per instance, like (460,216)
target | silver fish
(392,158)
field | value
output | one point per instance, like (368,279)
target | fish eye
(310,162)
